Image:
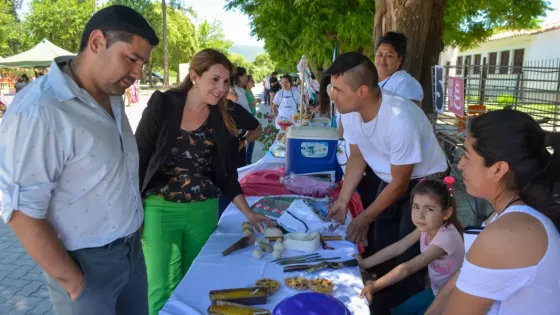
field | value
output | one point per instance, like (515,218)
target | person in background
(324,101)
(131,94)
(21,83)
(286,102)
(186,139)
(68,173)
(240,78)
(238,95)
(2,109)
(512,266)
(434,213)
(266,85)
(38,74)
(394,137)
(249,129)
(390,55)
(274,86)
(253,106)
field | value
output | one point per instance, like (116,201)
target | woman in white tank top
(512,266)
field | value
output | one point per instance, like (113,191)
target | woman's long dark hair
(516,138)
(239,72)
(399,43)
(439,189)
(324,99)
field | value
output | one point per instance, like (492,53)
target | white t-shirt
(242,98)
(400,134)
(267,83)
(520,291)
(287,102)
(400,83)
(403,84)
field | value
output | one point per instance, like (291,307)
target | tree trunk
(150,69)
(434,46)
(165,57)
(410,17)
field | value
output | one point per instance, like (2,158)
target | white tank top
(522,291)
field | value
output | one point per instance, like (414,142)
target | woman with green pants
(186,139)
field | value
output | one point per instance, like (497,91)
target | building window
(459,70)
(492,63)
(504,62)
(468,63)
(476,69)
(518,60)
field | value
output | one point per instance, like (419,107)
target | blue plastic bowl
(310,303)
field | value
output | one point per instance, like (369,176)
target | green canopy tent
(39,56)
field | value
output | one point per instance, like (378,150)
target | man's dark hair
(358,70)
(118,23)
(274,73)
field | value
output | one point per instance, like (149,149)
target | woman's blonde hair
(200,63)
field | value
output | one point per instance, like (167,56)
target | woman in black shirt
(186,141)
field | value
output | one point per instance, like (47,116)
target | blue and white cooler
(312,151)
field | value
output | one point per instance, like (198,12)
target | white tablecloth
(7,99)
(211,271)
(268,162)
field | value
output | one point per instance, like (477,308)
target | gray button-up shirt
(64,158)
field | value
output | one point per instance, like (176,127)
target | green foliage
(505,99)
(292,28)
(182,41)
(239,61)
(11,41)
(269,133)
(468,22)
(261,67)
(144,7)
(211,35)
(60,21)
(471,99)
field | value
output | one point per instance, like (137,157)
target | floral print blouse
(184,177)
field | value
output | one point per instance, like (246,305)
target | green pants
(174,234)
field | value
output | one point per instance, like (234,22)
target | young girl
(441,245)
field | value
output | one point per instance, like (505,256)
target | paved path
(22,286)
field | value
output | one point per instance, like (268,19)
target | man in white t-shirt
(394,137)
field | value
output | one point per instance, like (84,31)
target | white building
(505,53)
(510,48)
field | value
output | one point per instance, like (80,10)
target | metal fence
(533,88)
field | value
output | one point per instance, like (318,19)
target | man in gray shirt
(69,172)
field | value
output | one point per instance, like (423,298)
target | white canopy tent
(41,55)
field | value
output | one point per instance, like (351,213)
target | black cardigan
(158,130)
